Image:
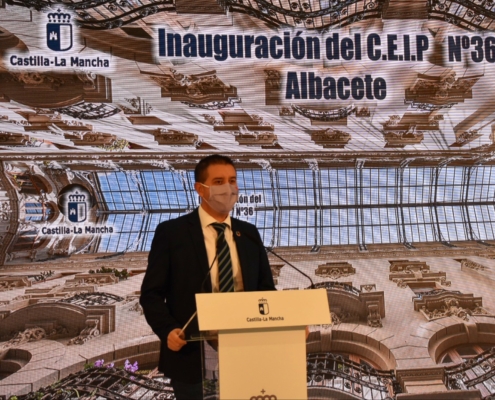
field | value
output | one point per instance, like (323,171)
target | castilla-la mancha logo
(77,207)
(59,31)
(263,306)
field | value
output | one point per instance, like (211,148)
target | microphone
(270,250)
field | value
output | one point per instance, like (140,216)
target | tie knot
(219,227)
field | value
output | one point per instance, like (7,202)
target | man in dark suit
(182,251)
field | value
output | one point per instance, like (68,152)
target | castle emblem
(263,306)
(77,207)
(59,31)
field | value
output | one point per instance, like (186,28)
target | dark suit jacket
(177,270)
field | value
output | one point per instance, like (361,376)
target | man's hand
(175,340)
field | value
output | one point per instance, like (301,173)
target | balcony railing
(108,383)
(475,373)
(475,15)
(338,286)
(332,371)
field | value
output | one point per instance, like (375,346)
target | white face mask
(222,197)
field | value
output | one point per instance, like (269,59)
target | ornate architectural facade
(387,204)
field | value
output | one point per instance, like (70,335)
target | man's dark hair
(204,163)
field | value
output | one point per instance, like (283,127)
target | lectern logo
(59,32)
(263,306)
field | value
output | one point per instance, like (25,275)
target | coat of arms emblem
(263,306)
(59,32)
(77,207)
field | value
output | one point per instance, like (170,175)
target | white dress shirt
(210,235)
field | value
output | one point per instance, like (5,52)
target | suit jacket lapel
(198,241)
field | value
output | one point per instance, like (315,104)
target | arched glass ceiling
(298,207)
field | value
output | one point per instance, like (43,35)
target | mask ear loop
(206,186)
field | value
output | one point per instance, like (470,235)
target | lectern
(261,340)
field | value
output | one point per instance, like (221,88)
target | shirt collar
(206,219)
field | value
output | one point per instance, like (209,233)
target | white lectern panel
(271,309)
(261,340)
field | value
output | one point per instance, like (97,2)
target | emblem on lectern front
(263,306)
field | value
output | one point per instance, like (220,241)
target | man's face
(216,174)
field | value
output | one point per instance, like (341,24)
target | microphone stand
(202,288)
(270,250)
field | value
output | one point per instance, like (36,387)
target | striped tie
(225,275)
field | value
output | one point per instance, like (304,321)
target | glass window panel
(366,177)
(267,199)
(487,212)
(394,234)
(377,177)
(460,231)
(368,234)
(440,195)
(479,230)
(448,194)
(377,237)
(407,195)
(284,218)
(410,233)
(160,192)
(334,217)
(304,197)
(353,236)
(284,197)
(341,196)
(367,216)
(382,197)
(343,235)
(490,231)
(311,219)
(343,217)
(351,196)
(334,197)
(413,212)
(325,197)
(427,193)
(441,176)
(351,175)
(486,192)
(424,232)
(351,216)
(383,216)
(374,197)
(457,193)
(334,236)
(408,176)
(407,215)
(444,230)
(338,178)
(366,193)
(391,195)
(441,214)
(392,216)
